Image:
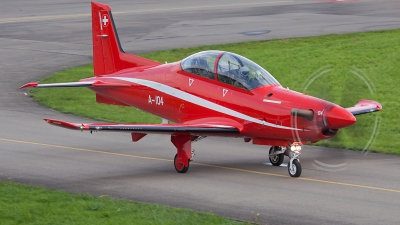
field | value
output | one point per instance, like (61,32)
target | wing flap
(365,106)
(149,128)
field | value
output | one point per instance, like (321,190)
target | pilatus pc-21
(210,93)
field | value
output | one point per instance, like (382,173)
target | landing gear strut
(184,152)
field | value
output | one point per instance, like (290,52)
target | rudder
(108,56)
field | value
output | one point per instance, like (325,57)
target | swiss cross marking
(105,20)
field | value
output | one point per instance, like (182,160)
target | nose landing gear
(277,153)
(294,166)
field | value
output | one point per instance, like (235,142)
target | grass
(343,68)
(23,204)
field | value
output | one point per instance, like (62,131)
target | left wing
(365,106)
(198,129)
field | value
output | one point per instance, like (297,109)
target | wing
(203,129)
(365,106)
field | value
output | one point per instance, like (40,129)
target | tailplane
(108,56)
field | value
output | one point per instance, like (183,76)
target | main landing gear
(184,152)
(277,153)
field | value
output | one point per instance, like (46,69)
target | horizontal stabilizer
(365,106)
(54,85)
(75,84)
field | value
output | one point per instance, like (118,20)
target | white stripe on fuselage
(198,101)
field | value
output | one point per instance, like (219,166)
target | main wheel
(276,160)
(179,167)
(295,168)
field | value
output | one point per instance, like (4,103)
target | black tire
(276,160)
(179,167)
(296,168)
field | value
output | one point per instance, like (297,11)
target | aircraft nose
(338,117)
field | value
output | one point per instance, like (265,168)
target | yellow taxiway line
(202,164)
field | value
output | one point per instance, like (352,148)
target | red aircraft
(210,93)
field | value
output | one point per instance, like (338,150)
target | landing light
(295,147)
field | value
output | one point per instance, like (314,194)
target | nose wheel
(294,166)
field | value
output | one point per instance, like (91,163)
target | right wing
(365,106)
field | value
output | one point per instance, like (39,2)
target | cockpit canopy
(228,68)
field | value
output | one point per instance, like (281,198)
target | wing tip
(365,106)
(64,124)
(31,84)
(375,103)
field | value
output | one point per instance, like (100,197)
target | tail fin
(108,56)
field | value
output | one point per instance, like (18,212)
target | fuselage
(270,114)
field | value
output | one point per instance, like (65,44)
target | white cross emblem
(105,20)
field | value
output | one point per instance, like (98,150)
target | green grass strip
(23,204)
(343,69)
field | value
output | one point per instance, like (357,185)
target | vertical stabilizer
(108,56)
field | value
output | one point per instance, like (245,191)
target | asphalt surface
(228,177)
